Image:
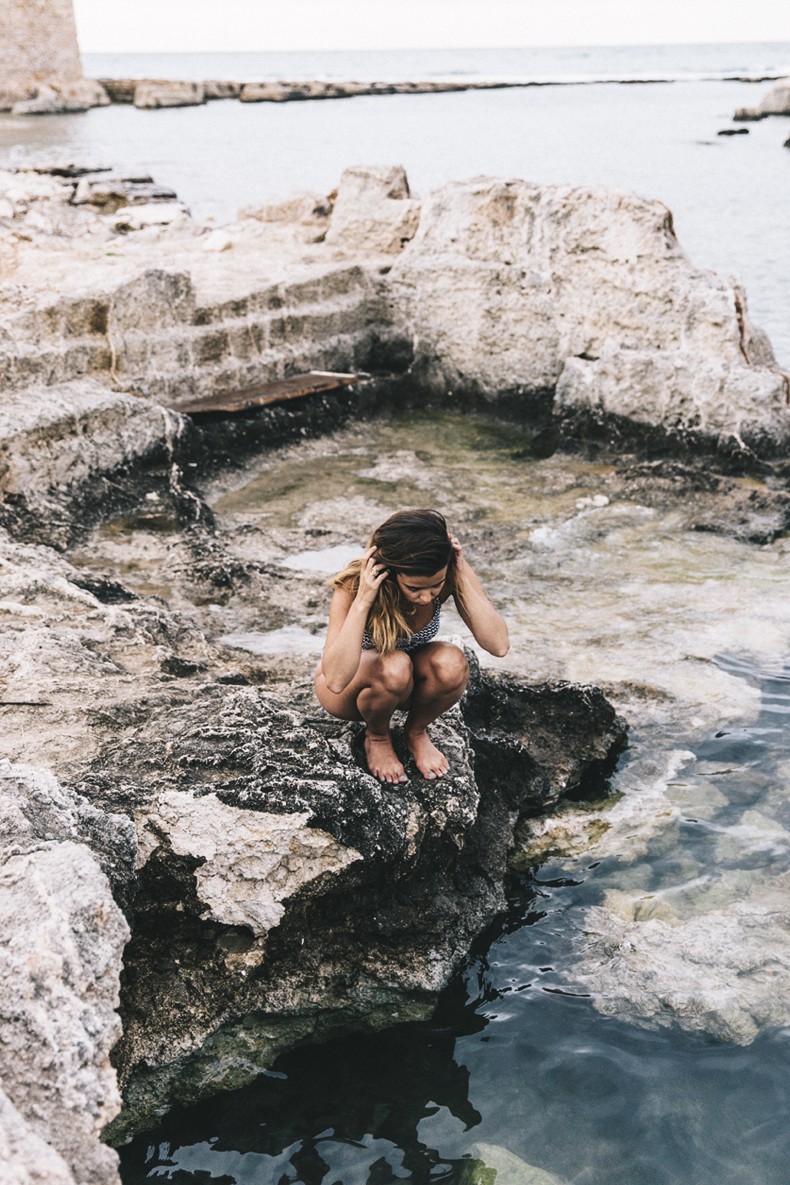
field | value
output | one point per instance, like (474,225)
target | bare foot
(382,759)
(430,761)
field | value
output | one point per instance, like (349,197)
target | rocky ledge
(575,300)
(203,847)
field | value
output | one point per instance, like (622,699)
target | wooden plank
(294,387)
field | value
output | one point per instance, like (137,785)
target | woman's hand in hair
(459,559)
(371,577)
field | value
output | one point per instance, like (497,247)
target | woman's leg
(382,684)
(441,673)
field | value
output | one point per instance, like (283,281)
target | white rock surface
(25,1158)
(510,286)
(152,94)
(62,436)
(726,973)
(60,959)
(776,102)
(373,210)
(509,1168)
(252,861)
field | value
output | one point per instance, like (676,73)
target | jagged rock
(169,94)
(147,214)
(392,885)
(513,287)
(373,211)
(250,863)
(60,961)
(776,102)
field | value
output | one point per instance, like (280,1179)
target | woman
(380,654)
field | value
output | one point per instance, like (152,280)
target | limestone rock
(505,1168)
(60,960)
(59,438)
(147,214)
(251,861)
(222,90)
(776,102)
(169,94)
(25,1157)
(113,191)
(373,211)
(38,43)
(726,973)
(62,99)
(513,287)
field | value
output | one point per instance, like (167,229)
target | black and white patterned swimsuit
(426,634)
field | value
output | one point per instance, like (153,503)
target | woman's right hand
(371,577)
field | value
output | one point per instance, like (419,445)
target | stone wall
(38,43)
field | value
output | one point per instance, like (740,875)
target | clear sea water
(729,195)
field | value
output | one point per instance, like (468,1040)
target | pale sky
(151,26)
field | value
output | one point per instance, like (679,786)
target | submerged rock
(495,1165)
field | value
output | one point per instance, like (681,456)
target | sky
(192,26)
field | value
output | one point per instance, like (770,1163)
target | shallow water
(688,631)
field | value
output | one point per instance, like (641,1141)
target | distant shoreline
(153,93)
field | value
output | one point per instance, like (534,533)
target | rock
(222,90)
(116,191)
(733,132)
(512,287)
(724,973)
(498,1166)
(60,962)
(120,90)
(749,114)
(25,1157)
(140,217)
(777,101)
(307,212)
(55,441)
(373,211)
(67,97)
(169,94)
(248,862)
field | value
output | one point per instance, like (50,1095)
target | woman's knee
(448,666)
(395,672)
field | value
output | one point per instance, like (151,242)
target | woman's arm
(488,627)
(348,615)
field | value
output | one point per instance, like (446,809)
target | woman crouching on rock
(380,652)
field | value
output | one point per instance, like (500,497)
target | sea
(641,118)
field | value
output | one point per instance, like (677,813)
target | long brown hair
(409,543)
